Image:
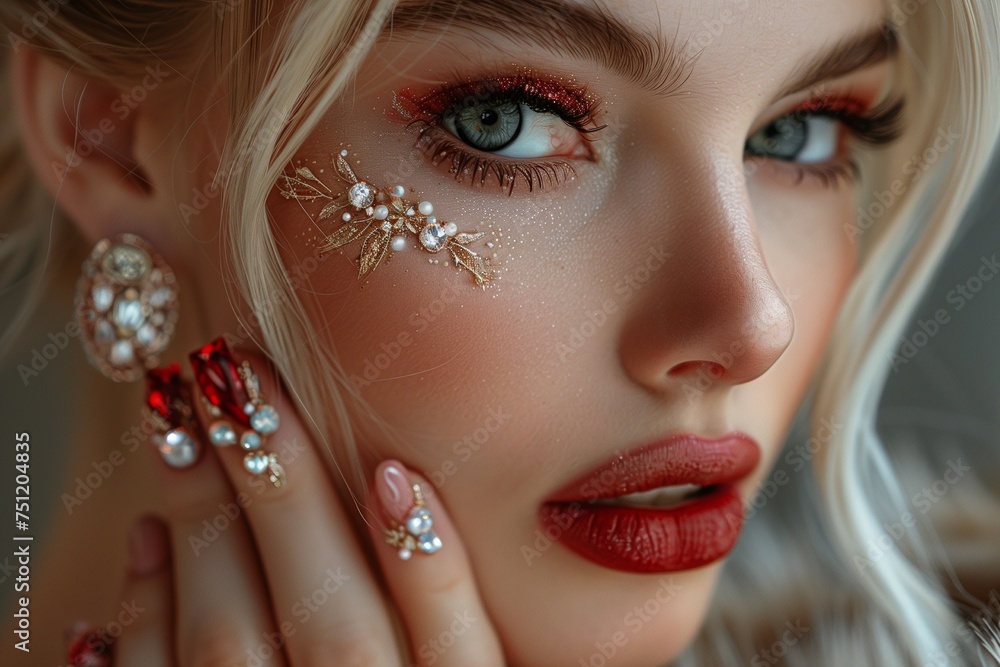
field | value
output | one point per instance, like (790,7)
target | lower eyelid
(830,173)
(508,174)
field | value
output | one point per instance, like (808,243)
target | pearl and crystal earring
(126,307)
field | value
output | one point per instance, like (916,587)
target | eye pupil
(489,117)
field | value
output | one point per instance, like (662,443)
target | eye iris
(488,126)
(784,138)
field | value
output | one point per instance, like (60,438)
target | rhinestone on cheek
(433,237)
(361,195)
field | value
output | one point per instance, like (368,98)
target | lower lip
(641,539)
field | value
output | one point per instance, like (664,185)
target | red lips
(697,531)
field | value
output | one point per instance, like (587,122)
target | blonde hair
(797,555)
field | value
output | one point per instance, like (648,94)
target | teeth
(665,496)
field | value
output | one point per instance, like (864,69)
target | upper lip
(678,459)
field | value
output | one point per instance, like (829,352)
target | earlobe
(79,141)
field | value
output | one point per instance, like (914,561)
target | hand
(241,572)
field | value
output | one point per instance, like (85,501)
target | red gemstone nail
(167,394)
(89,647)
(219,378)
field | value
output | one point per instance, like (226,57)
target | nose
(711,315)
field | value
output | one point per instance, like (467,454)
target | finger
(223,614)
(429,575)
(326,602)
(148,639)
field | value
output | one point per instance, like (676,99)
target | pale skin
(735,251)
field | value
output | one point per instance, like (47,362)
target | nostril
(691,368)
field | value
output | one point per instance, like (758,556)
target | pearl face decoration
(380,219)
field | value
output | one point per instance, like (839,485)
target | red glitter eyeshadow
(549,95)
(844,105)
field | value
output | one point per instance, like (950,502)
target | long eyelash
(877,126)
(573,105)
(477,170)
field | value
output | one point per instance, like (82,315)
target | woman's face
(676,271)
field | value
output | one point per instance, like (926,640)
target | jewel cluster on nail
(384,219)
(169,401)
(233,390)
(126,306)
(89,647)
(417,531)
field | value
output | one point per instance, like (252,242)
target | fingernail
(147,546)
(220,380)
(232,390)
(88,647)
(169,400)
(394,490)
(412,526)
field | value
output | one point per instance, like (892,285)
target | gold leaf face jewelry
(384,219)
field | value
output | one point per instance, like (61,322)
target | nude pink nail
(394,490)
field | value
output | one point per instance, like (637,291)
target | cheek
(804,235)
(430,352)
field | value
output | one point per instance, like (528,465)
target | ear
(79,133)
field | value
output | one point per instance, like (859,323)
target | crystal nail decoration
(232,389)
(219,377)
(264,420)
(221,434)
(380,218)
(126,306)
(417,531)
(250,440)
(177,447)
(169,402)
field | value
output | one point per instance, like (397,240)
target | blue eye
(798,137)
(510,129)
